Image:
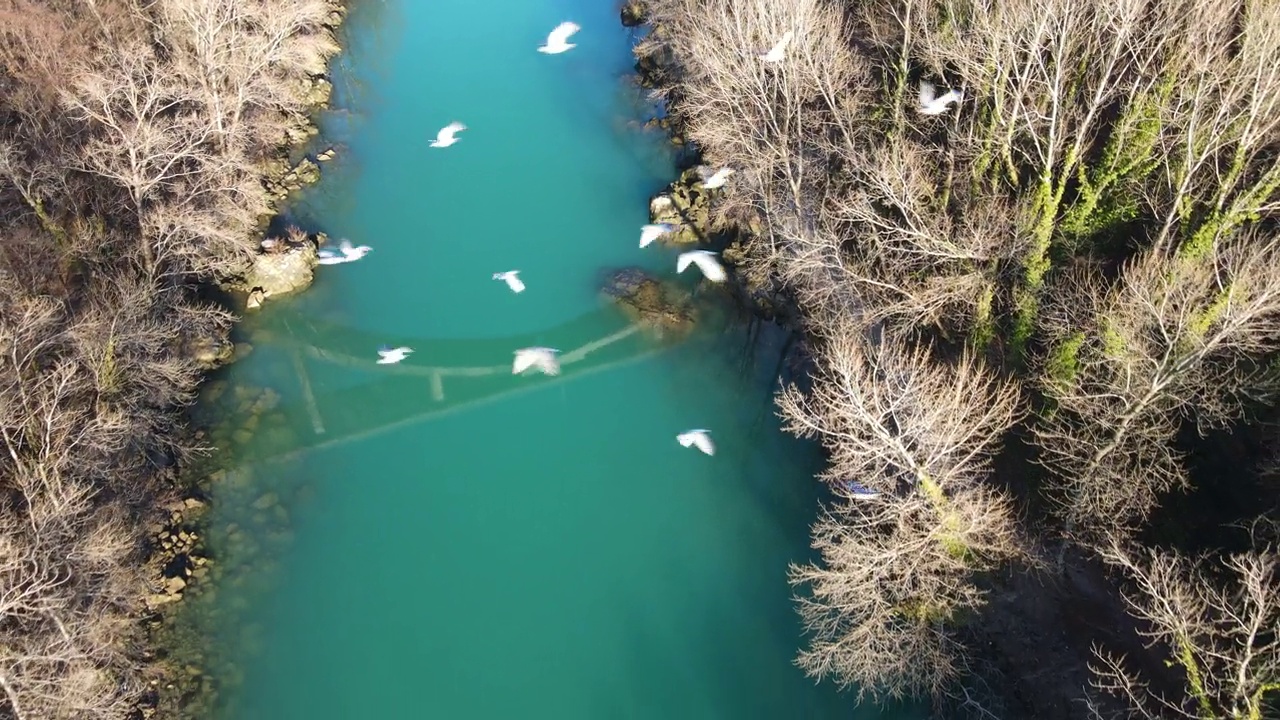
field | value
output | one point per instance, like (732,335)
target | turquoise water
(440,538)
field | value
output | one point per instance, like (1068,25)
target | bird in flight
(706,262)
(557,40)
(713,180)
(512,278)
(345,253)
(540,357)
(699,438)
(779,51)
(649,233)
(448,135)
(391,356)
(933,104)
(858,491)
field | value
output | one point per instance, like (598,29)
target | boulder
(633,13)
(280,273)
(326,154)
(684,203)
(660,306)
(210,351)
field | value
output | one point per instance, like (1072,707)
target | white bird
(649,233)
(557,39)
(448,134)
(858,491)
(933,104)
(345,253)
(512,278)
(779,51)
(700,439)
(706,262)
(713,180)
(540,357)
(391,356)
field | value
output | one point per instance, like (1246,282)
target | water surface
(441,539)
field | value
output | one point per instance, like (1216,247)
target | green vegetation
(1110,260)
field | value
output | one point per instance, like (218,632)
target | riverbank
(919,247)
(136,181)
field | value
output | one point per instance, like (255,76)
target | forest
(134,141)
(1042,327)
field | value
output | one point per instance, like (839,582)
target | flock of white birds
(544,359)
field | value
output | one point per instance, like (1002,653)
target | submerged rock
(633,13)
(658,305)
(210,351)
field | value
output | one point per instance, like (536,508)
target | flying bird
(540,357)
(700,439)
(779,51)
(713,180)
(391,356)
(448,135)
(557,41)
(858,491)
(933,104)
(512,278)
(345,253)
(706,262)
(649,233)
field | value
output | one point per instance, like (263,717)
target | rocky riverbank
(180,563)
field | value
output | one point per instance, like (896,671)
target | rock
(242,350)
(159,599)
(307,172)
(326,155)
(265,501)
(242,437)
(210,351)
(279,273)
(660,306)
(255,299)
(319,92)
(687,204)
(633,13)
(175,585)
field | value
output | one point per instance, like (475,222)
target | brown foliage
(112,210)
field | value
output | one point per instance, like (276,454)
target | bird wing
(710,267)
(928,93)
(345,246)
(649,233)
(949,97)
(524,360)
(448,131)
(777,49)
(721,175)
(702,441)
(562,33)
(548,363)
(513,282)
(684,259)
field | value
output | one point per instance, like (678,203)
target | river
(439,538)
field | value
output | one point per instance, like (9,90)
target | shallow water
(440,538)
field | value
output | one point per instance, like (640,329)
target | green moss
(1063,363)
(1113,344)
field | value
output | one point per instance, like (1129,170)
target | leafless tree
(897,568)
(1173,338)
(1219,626)
(895,576)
